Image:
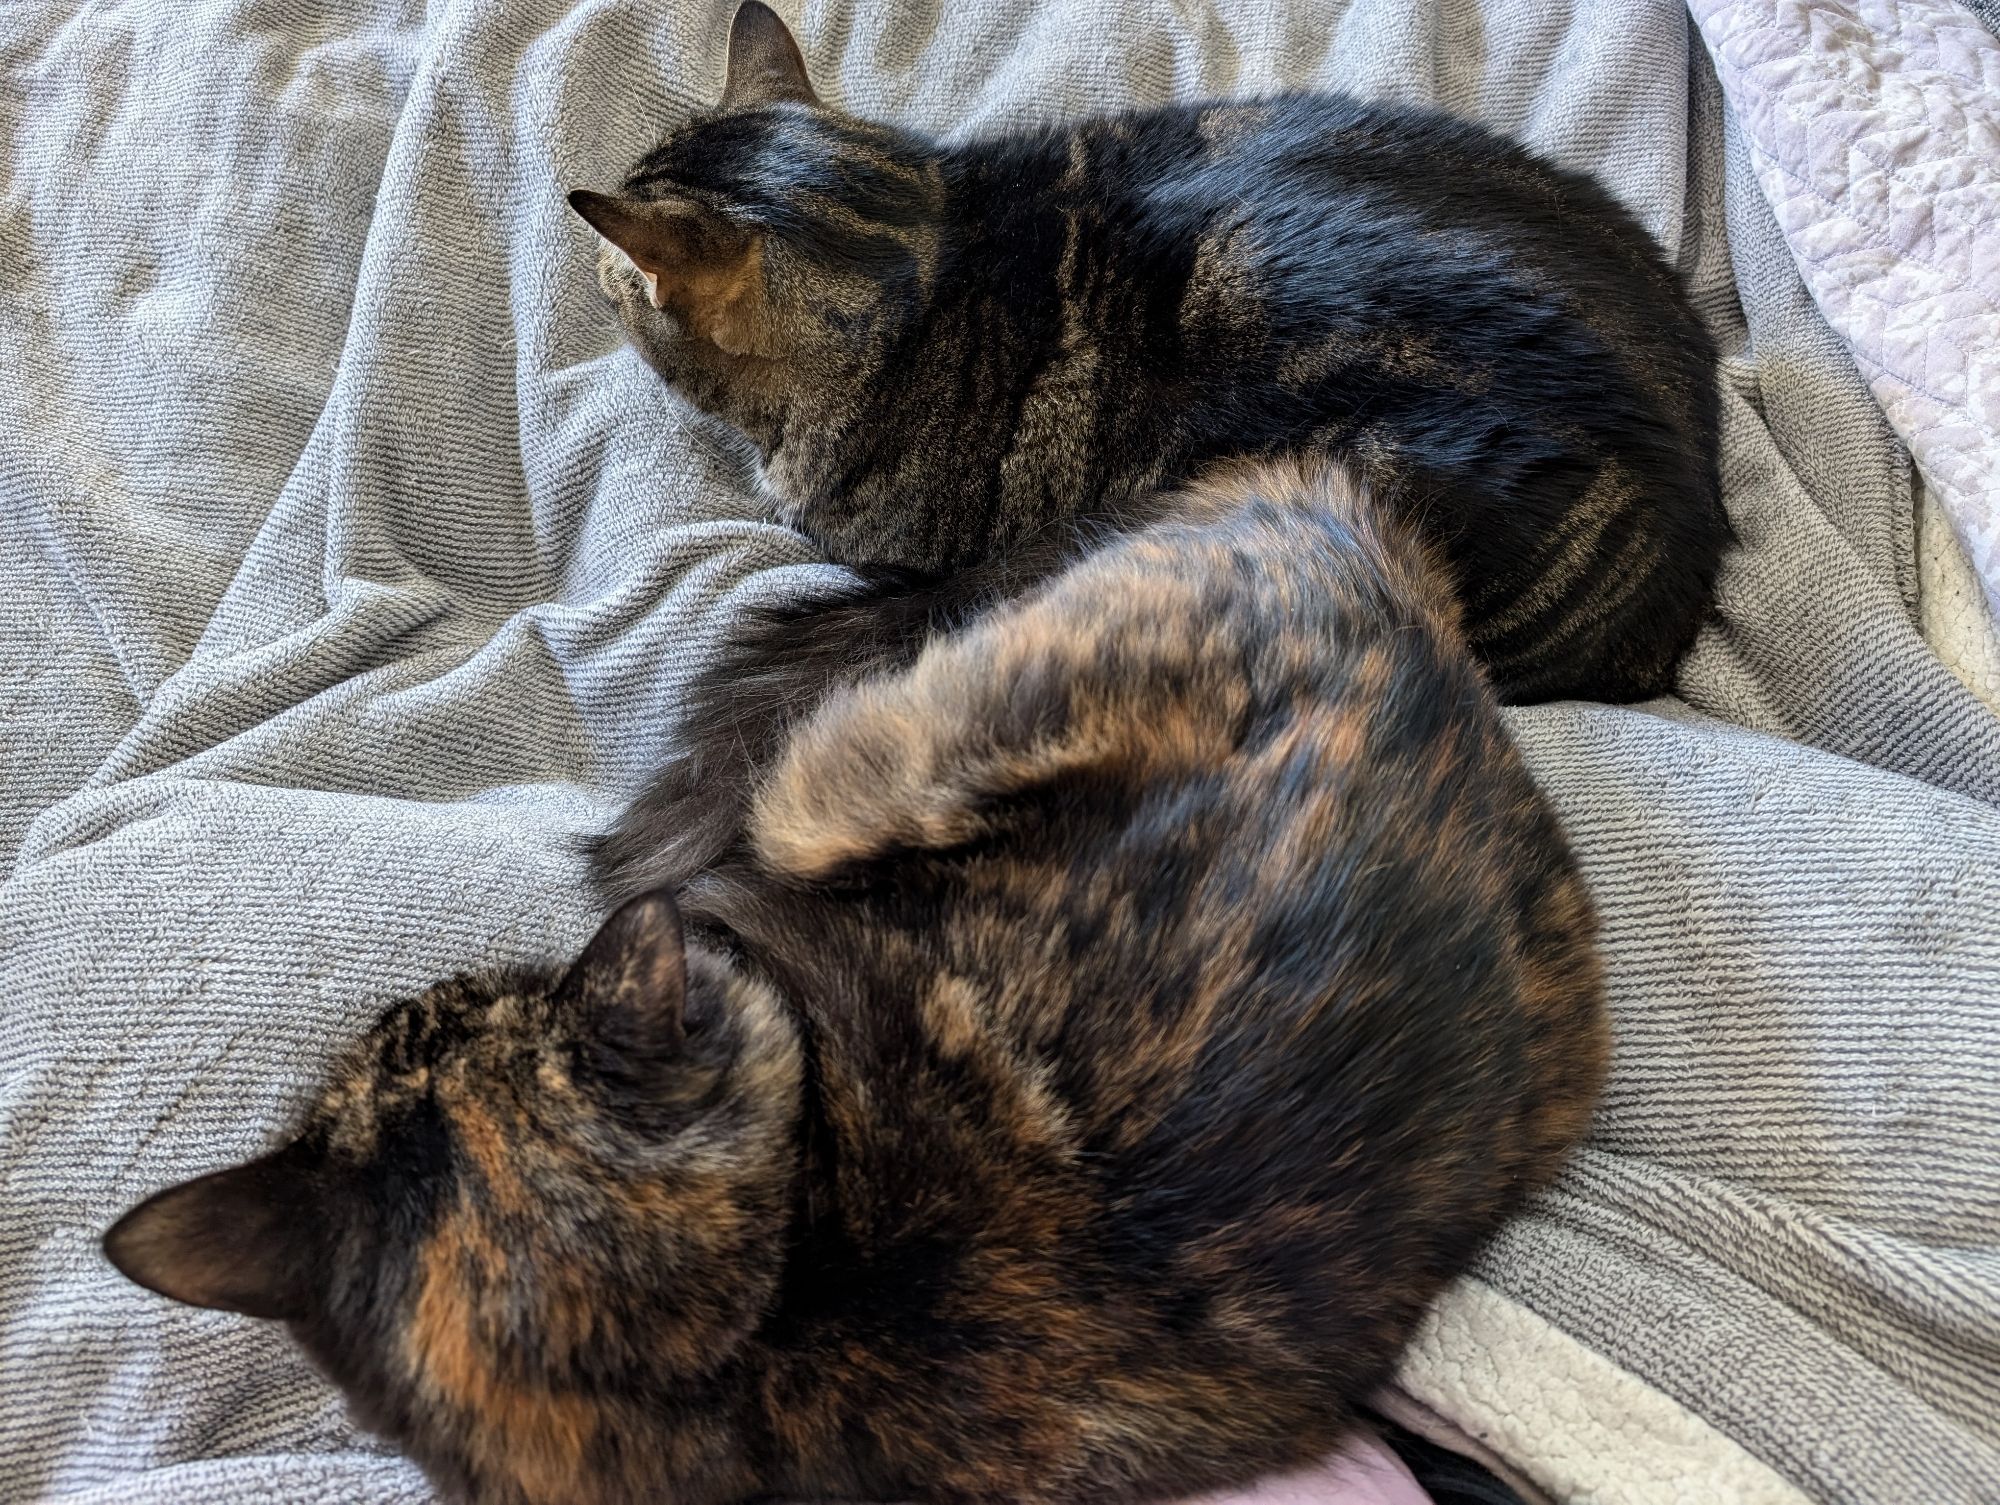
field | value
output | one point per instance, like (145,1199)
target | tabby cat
(1112,1030)
(961,363)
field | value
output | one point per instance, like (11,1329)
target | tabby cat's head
(525,1212)
(771,250)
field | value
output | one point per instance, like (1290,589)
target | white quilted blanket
(1874,129)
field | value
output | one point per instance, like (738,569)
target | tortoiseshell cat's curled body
(946,352)
(1111,1032)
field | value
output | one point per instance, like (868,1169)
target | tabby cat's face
(770,253)
(522,1207)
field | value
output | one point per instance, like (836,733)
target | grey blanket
(349,568)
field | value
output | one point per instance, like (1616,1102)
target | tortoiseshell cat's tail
(782,661)
(779,662)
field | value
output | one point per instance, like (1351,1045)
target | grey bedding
(349,568)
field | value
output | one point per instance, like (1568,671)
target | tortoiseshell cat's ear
(241,1240)
(765,64)
(630,989)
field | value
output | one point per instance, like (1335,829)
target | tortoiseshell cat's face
(772,249)
(520,1203)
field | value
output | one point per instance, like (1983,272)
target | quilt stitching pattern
(1875,131)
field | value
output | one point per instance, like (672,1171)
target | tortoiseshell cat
(951,358)
(1113,1030)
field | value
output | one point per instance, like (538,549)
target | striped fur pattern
(945,353)
(1112,1030)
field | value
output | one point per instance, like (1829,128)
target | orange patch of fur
(488,1147)
(532,1437)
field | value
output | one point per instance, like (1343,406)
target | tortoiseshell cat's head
(516,1193)
(770,249)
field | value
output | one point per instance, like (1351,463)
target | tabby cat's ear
(765,64)
(692,257)
(630,986)
(241,1240)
